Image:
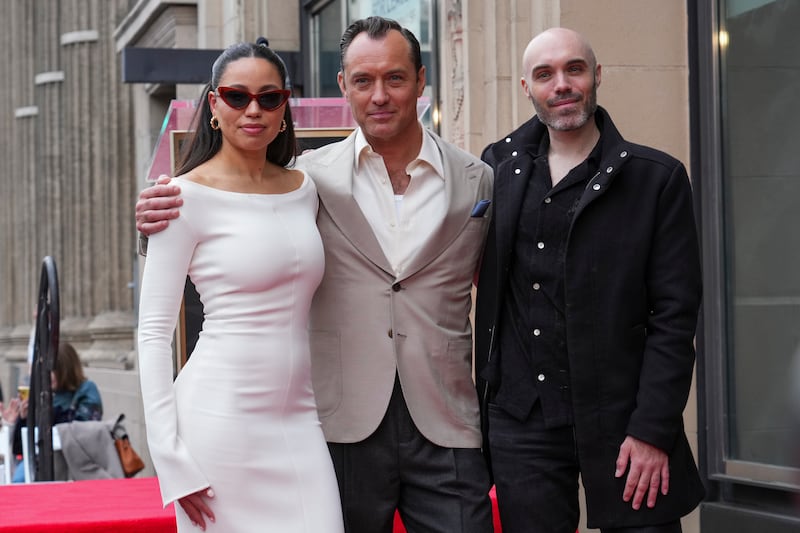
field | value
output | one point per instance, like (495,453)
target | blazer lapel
(333,175)
(462,178)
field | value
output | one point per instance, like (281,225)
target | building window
(326,20)
(747,170)
(761,188)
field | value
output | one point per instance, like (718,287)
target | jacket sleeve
(674,285)
(163,280)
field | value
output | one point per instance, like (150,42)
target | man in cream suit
(403,216)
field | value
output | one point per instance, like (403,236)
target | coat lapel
(510,189)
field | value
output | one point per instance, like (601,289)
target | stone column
(97,182)
(19,259)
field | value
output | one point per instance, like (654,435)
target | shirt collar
(428,153)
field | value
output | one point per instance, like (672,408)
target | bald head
(561,76)
(552,40)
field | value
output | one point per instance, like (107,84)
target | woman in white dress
(235,440)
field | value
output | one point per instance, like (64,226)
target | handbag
(131,463)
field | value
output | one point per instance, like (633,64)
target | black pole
(40,406)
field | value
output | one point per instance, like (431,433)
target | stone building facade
(68,179)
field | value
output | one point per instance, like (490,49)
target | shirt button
(517,171)
(514,153)
(540,377)
(548,200)
(391,334)
(536,286)
(396,287)
(540,245)
(537,332)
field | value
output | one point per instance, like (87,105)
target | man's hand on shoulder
(157,205)
(648,471)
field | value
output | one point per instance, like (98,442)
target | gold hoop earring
(283,125)
(214,123)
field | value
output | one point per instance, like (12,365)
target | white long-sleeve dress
(240,417)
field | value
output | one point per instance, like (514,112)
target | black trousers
(435,489)
(536,476)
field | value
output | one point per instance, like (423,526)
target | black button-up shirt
(532,340)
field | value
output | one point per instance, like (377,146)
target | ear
(420,81)
(524,84)
(342,87)
(597,76)
(212,101)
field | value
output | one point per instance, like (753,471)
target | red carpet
(118,505)
(101,506)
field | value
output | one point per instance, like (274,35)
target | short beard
(572,121)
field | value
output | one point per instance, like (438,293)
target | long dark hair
(205,142)
(67,368)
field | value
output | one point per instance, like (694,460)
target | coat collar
(513,156)
(531,137)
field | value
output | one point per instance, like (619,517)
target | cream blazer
(366,324)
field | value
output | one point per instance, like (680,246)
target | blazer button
(396,287)
(391,334)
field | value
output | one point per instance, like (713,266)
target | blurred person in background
(75,398)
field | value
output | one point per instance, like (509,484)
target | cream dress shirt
(401,223)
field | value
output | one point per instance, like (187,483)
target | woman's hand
(10,414)
(196,507)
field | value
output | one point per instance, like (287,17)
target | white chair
(25,451)
(7,456)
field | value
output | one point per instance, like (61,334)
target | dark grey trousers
(436,490)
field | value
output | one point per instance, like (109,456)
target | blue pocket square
(480,208)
